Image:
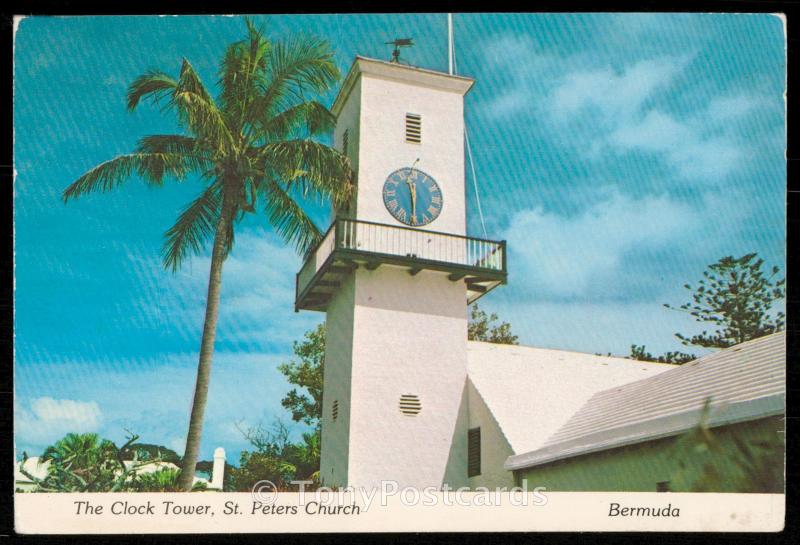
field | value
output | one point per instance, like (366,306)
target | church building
(407,397)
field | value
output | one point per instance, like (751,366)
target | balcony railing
(351,242)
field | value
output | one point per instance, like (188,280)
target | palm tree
(78,451)
(253,147)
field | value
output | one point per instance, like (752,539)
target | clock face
(412,197)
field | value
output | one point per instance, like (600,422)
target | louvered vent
(335,410)
(345,141)
(410,405)
(474,452)
(413,128)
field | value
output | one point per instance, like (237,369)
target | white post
(450,43)
(218,471)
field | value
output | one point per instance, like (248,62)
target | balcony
(349,244)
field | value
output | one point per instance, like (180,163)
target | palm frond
(194,227)
(152,167)
(154,85)
(198,112)
(313,166)
(294,67)
(288,218)
(169,143)
(310,118)
(179,144)
(189,81)
(242,74)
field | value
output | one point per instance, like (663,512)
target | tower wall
(390,333)
(409,338)
(337,386)
(383,149)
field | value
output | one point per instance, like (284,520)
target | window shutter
(474,452)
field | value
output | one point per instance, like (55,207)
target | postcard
(400,272)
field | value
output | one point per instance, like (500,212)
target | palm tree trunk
(186,478)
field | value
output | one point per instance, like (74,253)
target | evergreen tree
(737,298)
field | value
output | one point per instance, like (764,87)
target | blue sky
(618,155)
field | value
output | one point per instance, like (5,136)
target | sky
(618,155)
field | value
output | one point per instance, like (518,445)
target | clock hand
(413,188)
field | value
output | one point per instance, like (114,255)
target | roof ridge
(565,351)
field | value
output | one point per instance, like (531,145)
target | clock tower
(394,274)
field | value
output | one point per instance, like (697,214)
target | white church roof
(532,392)
(744,382)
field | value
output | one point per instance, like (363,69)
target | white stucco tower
(395,274)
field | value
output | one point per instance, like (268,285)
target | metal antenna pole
(452,65)
(450,43)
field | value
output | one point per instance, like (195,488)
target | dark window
(345,141)
(413,128)
(662,486)
(335,410)
(474,452)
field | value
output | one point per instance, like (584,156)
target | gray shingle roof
(744,382)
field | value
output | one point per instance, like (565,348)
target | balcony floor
(342,262)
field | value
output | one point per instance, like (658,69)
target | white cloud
(152,398)
(726,108)
(521,73)
(698,146)
(510,102)
(257,284)
(622,110)
(46,419)
(564,256)
(617,96)
(684,146)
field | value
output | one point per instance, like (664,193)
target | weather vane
(398,43)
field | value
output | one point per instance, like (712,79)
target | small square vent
(413,128)
(410,404)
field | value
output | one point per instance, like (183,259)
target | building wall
(494,445)
(409,337)
(637,468)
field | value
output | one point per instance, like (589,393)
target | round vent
(410,404)
(335,410)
